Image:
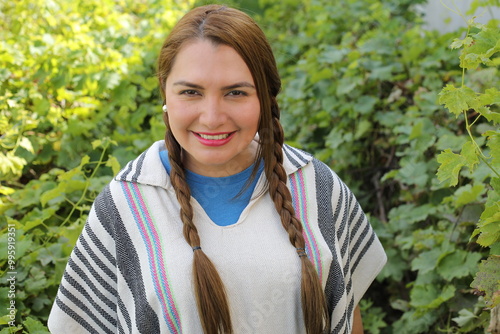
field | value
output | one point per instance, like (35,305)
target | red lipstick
(214,139)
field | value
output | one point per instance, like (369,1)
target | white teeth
(216,137)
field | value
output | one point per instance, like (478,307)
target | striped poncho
(131,269)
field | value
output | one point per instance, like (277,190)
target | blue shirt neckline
(222,198)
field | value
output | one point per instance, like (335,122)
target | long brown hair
(231,27)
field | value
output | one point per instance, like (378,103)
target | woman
(220,228)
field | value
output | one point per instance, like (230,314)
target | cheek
(255,122)
(179,119)
(252,116)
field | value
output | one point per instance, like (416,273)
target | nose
(212,114)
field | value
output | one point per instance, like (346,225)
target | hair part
(226,26)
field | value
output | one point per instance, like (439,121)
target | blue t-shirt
(219,195)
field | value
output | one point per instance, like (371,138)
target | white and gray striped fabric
(131,269)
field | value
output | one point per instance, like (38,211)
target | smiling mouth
(214,137)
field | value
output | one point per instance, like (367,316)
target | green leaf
(491,116)
(6,190)
(485,45)
(32,224)
(413,173)
(36,281)
(465,317)
(41,302)
(11,166)
(455,99)
(96,143)
(489,225)
(417,130)
(34,326)
(490,96)
(429,296)
(23,244)
(451,164)
(494,145)
(114,164)
(483,103)
(489,234)
(26,144)
(470,61)
(495,183)
(395,268)
(37,217)
(469,152)
(458,264)
(491,213)
(488,280)
(9,329)
(74,185)
(426,261)
(458,43)
(466,194)
(52,194)
(404,215)
(85,160)
(495,248)
(347,84)
(413,322)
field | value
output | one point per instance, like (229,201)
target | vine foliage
(78,99)
(477,107)
(410,125)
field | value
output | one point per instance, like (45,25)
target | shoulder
(295,160)
(104,212)
(298,161)
(147,168)
(321,183)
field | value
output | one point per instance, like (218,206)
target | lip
(214,142)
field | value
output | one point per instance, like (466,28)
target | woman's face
(213,108)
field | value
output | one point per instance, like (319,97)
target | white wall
(441,18)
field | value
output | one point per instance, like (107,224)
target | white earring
(164,108)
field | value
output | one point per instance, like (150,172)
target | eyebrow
(233,86)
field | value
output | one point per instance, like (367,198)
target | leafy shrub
(362,82)
(363,88)
(78,98)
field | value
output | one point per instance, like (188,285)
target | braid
(314,307)
(211,298)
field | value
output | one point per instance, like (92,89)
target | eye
(237,93)
(189,92)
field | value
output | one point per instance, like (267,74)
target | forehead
(204,60)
